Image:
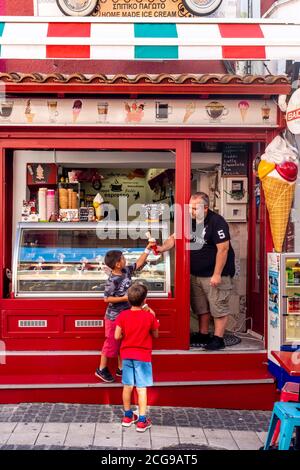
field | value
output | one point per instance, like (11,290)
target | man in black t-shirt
(212,269)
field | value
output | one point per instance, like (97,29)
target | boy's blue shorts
(138,373)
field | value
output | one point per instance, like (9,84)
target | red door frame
(126,140)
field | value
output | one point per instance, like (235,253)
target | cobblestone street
(71,426)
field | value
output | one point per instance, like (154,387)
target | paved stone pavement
(44,426)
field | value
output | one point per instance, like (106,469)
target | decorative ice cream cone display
(98,206)
(243,107)
(189,110)
(278,171)
(28,114)
(77,105)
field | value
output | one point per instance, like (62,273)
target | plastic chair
(289,415)
(289,392)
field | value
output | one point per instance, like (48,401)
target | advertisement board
(133,8)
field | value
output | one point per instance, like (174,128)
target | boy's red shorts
(111,346)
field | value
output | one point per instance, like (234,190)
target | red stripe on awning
(243,52)
(69,30)
(67,52)
(240,31)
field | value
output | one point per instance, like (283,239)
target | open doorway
(221,170)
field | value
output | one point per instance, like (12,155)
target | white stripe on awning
(186,39)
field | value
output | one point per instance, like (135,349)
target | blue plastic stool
(289,415)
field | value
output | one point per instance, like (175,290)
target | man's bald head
(199,203)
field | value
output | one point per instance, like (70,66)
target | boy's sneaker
(126,422)
(215,344)
(142,426)
(104,375)
(119,372)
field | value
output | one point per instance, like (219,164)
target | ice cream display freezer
(67,259)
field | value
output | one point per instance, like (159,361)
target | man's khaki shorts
(206,298)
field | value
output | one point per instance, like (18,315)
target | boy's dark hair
(112,257)
(137,294)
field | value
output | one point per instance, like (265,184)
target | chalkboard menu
(234,159)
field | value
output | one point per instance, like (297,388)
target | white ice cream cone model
(98,206)
(278,171)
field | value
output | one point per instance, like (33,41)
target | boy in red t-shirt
(136,327)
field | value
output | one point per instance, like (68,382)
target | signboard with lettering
(136,8)
(234,159)
(293,113)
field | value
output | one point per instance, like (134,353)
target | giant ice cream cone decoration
(278,171)
(243,107)
(98,206)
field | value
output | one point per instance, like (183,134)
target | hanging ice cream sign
(138,113)
(278,170)
(293,113)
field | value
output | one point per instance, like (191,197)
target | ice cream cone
(29,117)
(75,117)
(243,112)
(279,196)
(98,212)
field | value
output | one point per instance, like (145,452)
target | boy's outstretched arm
(115,300)
(142,259)
(118,332)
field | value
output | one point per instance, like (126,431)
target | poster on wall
(273,290)
(137,8)
(155,113)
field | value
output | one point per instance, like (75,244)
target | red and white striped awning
(133,39)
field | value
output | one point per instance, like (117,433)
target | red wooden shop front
(174,313)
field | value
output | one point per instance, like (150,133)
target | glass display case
(283,300)
(67,259)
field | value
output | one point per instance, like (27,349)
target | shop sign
(138,113)
(138,8)
(293,113)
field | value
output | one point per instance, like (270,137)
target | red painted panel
(17,8)
(70,318)
(231,30)
(239,397)
(265,5)
(69,30)
(11,319)
(68,52)
(244,52)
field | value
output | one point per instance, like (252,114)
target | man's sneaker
(142,426)
(119,372)
(197,340)
(104,375)
(215,344)
(126,422)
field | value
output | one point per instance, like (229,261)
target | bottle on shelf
(290,327)
(296,274)
(297,327)
(289,275)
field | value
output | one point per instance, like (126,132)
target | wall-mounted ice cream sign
(147,113)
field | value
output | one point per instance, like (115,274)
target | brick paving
(243,420)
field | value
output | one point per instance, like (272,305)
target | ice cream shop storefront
(94,163)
